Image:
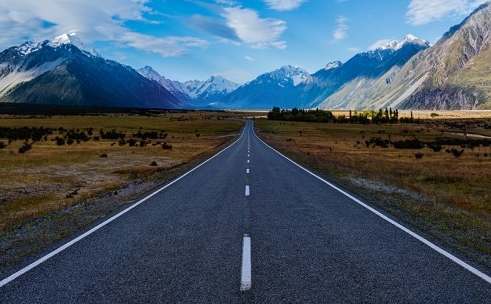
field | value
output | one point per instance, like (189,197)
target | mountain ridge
(267,89)
(198,94)
(56,73)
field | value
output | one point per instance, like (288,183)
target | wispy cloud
(214,26)
(92,20)
(167,47)
(341,31)
(422,11)
(284,5)
(249,58)
(255,31)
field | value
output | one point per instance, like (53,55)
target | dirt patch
(383,188)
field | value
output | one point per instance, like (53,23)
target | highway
(248,226)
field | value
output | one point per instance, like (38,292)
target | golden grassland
(48,177)
(437,191)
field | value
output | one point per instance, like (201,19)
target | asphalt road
(248,226)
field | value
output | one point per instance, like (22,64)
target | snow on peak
(72,38)
(332,65)
(63,39)
(396,45)
(296,74)
(27,48)
(410,38)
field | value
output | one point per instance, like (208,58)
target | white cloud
(341,31)
(249,58)
(253,30)
(92,20)
(423,11)
(284,5)
(168,47)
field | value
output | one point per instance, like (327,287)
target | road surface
(248,226)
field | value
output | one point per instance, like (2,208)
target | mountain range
(453,74)
(196,94)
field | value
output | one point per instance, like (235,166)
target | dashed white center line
(246,278)
(248,161)
(247,171)
(247,191)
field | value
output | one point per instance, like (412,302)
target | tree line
(364,117)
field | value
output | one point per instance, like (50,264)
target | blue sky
(239,40)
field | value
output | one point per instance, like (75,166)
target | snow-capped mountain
(268,90)
(397,45)
(359,70)
(57,72)
(290,87)
(174,87)
(198,94)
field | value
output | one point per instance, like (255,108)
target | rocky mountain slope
(454,74)
(345,86)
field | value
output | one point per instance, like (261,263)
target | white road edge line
(450,256)
(247,190)
(246,278)
(84,235)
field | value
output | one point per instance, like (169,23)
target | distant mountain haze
(195,93)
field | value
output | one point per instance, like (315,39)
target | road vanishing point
(248,226)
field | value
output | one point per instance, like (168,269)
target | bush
(435,147)
(25,147)
(419,155)
(457,153)
(166,146)
(59,141)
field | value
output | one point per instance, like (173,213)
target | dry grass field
(51,176)
(436,180)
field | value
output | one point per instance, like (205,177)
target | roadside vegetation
(434,173)
(64,172)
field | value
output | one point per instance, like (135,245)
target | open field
(435,180)
(117,158)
